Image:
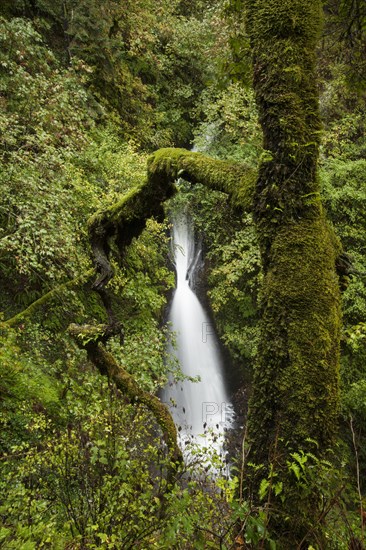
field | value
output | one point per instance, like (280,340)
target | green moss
(276,19)
(295,400)
(296,380)
(125,220)
(235,179)
(140,203)
(283,37)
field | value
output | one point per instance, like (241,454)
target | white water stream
(201,409)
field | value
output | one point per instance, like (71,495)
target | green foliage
(43,124)
(187,57)
(132,54)
(29,392)
(62,456)
(142,287)
(344,193)
(231,129)
(79,465)
(65,169)
(342,110)
(234,280)
(99,482)
(345,38)
(306,478)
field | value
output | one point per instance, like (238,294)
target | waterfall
(201,410)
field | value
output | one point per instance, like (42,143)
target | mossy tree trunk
(295,387)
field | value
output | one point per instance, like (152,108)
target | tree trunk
(295,387)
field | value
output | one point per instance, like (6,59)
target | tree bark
(295,386)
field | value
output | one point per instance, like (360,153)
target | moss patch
(235,179)
(296,379)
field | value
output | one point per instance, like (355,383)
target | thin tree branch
(91,339)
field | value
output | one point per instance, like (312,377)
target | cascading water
(201,409)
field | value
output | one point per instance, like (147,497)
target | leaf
(263,489)
(103,537)
(278,488)
(295,468)
(4,532)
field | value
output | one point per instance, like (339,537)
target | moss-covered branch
(235,179)
(52,294)
(126,219)
(92,338)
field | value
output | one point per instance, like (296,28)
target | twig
(324,513)
(357,475)
(243,460)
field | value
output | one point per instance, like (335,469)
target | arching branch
(127,218)
(92,338)
(234,178)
